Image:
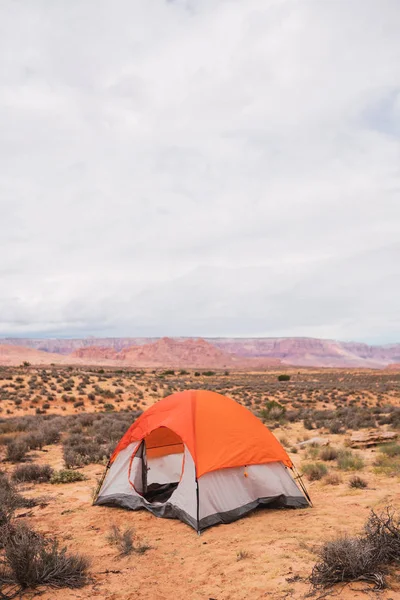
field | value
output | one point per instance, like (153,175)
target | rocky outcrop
(95,353)
(371,438)
(194,353)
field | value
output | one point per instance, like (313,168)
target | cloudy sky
(200,167)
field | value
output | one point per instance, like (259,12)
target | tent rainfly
(202,458)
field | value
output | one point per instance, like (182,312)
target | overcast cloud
(200,167)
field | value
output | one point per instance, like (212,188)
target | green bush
(347,461)
(283,377)
(390,449)
(315,471)
(67,476)
(272,411)
(387,465)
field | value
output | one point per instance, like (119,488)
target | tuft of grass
(66,476)
(348,461)
(126,541)
(358,482)
(243,554)
(315,471)
(332,479)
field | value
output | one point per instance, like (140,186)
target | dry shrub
(10,500)
(32,473)
(31,560)
(16,451)
(346,559)
(332,479)
(361,558)
(358,482)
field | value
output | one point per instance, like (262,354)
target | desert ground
(72,417)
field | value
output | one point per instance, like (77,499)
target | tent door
(144,468)
(162,476)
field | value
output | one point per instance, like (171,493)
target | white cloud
(200,168)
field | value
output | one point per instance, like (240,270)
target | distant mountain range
(199,353)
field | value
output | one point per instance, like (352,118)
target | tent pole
(198,507)
(303,487)
(101,483)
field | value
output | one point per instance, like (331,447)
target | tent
(202,458)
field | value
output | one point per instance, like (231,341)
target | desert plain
(71,417)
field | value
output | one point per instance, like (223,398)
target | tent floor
(160,492)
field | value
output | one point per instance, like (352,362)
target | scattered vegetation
(87,411)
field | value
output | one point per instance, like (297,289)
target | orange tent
(201,457)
